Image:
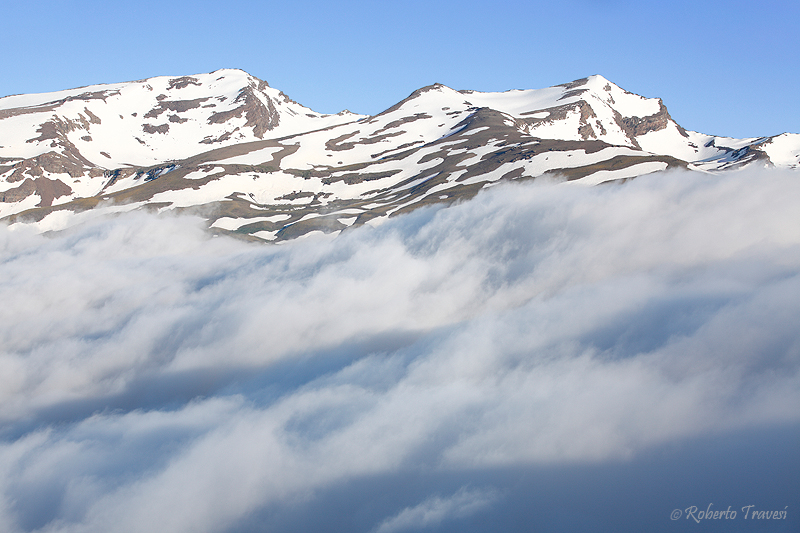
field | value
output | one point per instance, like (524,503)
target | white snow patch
(253,158)
(265,235)
(630,172)
(232,224)
(64,218)
(476,130)
(784,150)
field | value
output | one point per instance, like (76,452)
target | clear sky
(724,68)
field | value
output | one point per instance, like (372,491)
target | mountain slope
(250,160)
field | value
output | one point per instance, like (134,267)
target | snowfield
(247,158)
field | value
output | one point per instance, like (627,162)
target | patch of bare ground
(456,193)
(52,162)
(222,138)
(337,145)
(557,113)
(150,128)
(36,214)
(635,126)
(395,149)
(50,106)
(183,81)
(352,179)
(325,224)
(94,119)
(296,195)
(220,154)
(572,93)
(401,103)
(574,84)
(47,189)
(615,163)
(405,120)
(260,117)
(55,128)
(177,106)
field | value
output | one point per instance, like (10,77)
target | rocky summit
(228,147)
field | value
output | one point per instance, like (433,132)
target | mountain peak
(252,161)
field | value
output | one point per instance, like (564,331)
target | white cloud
(155,378)
(436,509)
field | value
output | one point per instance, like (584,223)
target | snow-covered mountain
(252,161)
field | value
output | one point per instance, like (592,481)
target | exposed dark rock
(296,195)
(50,106)
(351,179)
(161,128)
(94,119)
(635,126)
(325,224)
(585,129)
(184,81)
(113,175)
(55,128)
(404,120)
(412,96)
(615,163)
(46,189)
(449,170)
(260,117)
(222,138)
(52,162)
(337,145)
(396,149)
(178,106)
(572,93)
(574,84)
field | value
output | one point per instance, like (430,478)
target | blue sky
(724,68)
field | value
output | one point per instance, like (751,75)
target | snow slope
(252,161)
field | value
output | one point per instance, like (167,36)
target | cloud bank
(155,378)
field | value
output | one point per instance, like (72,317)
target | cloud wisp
(157,378)
(436,509)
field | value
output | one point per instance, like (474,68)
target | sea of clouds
(544,356)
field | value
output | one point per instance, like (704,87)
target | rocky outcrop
(437,146)
(636,126)
(262,118)
(178,106)
(47,189)
(184,81)
(150,128)
(51,162)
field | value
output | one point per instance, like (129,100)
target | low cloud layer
(155,378)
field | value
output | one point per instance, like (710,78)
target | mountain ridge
(254,162)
